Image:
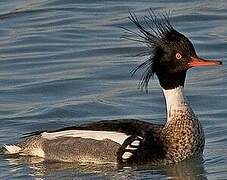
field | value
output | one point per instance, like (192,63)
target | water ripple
(64,63)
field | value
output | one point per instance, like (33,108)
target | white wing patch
(135,143)
(126,155)
(131,148)
(117,137)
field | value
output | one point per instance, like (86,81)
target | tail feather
(12,149)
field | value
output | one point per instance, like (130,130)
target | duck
(170,54)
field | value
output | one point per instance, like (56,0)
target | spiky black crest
(155,31)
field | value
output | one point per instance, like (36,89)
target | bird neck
(175,102)
(182,132)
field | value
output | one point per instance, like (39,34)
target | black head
(170,53)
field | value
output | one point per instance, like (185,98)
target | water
(64,63)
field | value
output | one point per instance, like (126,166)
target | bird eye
(178,56)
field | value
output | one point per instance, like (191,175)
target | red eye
(178,56)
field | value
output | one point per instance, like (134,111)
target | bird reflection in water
(192,169)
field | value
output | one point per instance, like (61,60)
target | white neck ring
(175,100)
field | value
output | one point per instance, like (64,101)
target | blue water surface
(64,63)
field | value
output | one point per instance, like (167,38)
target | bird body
(125,141)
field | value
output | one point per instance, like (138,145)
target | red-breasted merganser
(125,141)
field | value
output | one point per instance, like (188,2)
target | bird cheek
(182,66)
